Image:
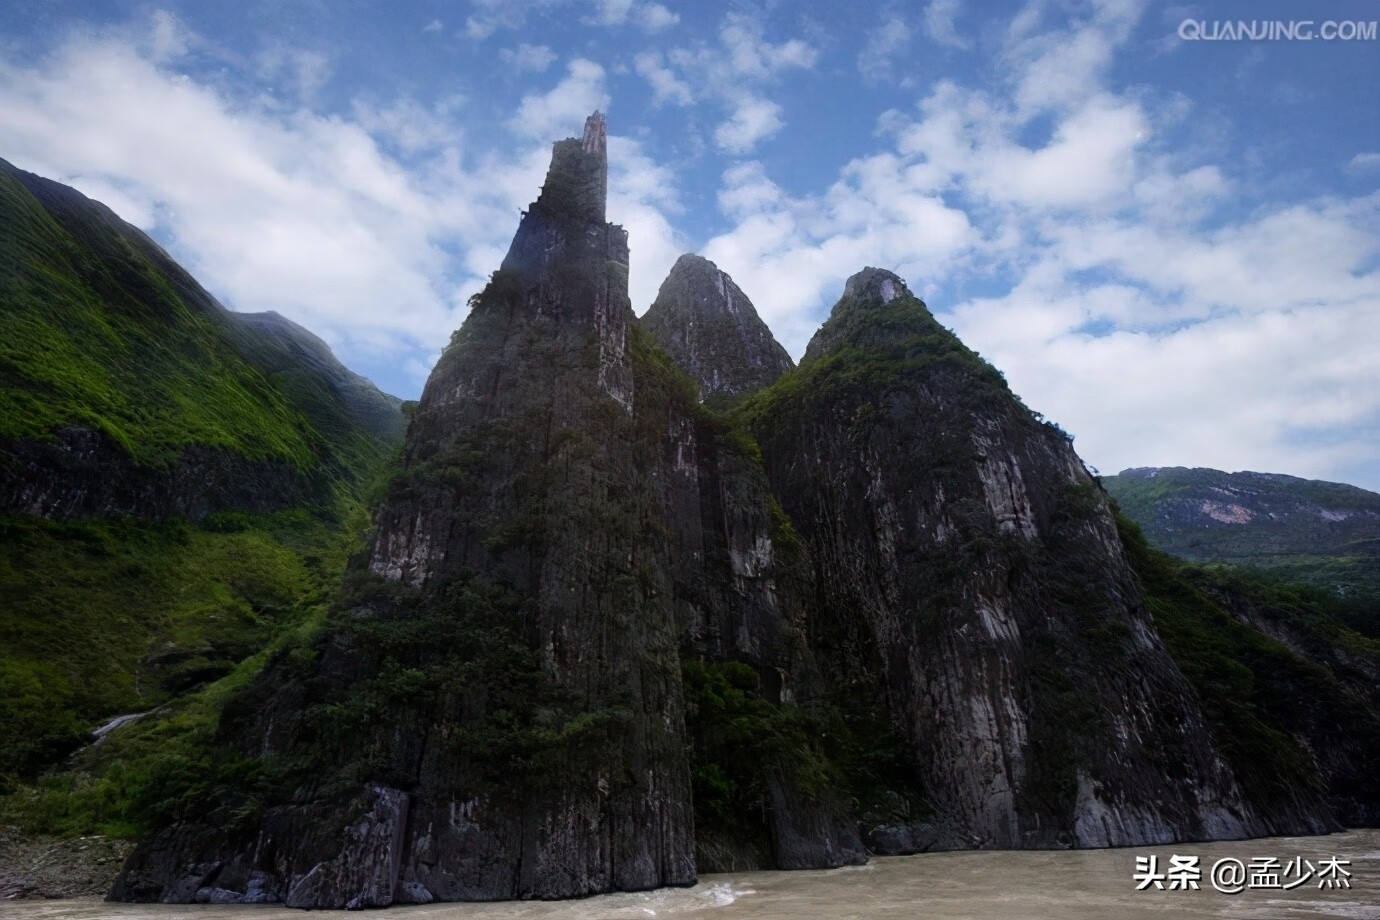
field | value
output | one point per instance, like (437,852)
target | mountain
(624,613)
(126,388)
(971,575)
(708,326)
(178,483)
(1326,534)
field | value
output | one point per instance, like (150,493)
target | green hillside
(1323,534)
(112,605)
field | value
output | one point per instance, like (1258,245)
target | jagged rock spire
(577,181)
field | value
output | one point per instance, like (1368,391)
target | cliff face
(603,637)
(566,522)
(966,558)
(711,330)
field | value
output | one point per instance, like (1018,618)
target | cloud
(434,26)
(562,110)
(370,227)
(791,254)
(753,119)
(528,58)
(653,18)
(665,86)
(1364,161)
(939,19)
(491,15)
(884,43)
(734,72)
(170,38)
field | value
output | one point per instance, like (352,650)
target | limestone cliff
(969,563)
(710,329)
(496,711)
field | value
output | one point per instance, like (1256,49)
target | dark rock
(83,473)
(710,329)
(967,559)
(902,839)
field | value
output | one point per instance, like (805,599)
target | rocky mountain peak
(577,180)
(875,284)
(855,319)
(711,330)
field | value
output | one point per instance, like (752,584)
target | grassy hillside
(101,338)
(1290,691)
(101,617)
(1323,534)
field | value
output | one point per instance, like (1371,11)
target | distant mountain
(1326,534)
(125,387)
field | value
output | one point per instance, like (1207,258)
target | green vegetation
(119,615)
(1259,695)
(103,339)
(743,742)
(106,617)
(1286,529)
(871,350)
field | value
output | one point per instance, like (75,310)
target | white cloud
(877,59)
(1364,161)
(528,58)
(939,23)
(653,17)
(170,38)
(491,15)
(753,119)
(434,26)
(751,55)
(562,110)
(734,72)
(665,86)
(612,12)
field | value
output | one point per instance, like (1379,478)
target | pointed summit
(710,329)
(577,181)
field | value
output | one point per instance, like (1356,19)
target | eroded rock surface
(711,330)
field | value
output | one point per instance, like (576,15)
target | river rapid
(974,885)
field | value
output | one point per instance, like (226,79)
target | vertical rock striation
(496,710)
(588,599)
(966,558)
(710,329)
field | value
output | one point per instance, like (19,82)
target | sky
(1169,245)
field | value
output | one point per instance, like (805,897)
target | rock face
(966,558)
(566,522)
(711,330)
(603,636)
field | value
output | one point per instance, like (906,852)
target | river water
(1068,885)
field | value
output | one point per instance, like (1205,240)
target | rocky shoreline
(39,868)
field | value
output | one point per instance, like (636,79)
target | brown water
(1068,885)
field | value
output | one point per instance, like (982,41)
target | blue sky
(1170,247)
